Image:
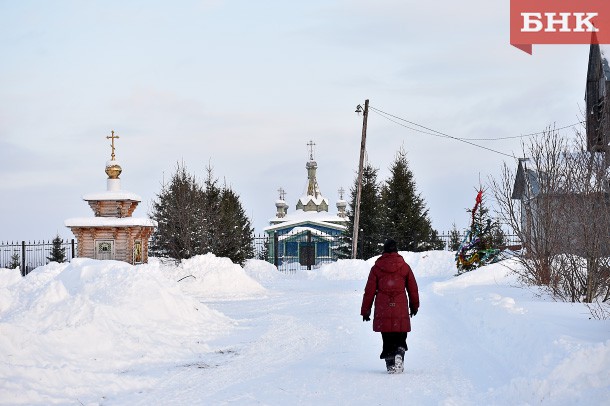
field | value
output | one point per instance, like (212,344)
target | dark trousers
(391,343)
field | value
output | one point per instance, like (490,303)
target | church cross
(112,137)
(341,191)
(282,193)
(311,144)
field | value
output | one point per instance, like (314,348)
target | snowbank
(343,269)
(551,350)
(423,264)
(494,274)
(69,325)
(431,263)
(8,278)
(262,271)
(211,277)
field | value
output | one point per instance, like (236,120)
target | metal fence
(306,249)
(32,254)
(510,240)
(311,250)
(294,251)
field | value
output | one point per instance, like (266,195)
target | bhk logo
(559,22)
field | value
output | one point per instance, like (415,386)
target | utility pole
(360,169)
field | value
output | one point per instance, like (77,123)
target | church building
(113,233)
(309,235)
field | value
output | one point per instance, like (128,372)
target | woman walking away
(388,281)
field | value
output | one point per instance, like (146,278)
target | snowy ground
(106,333)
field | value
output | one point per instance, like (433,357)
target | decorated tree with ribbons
(480,244)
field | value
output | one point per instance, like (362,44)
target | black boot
(390,364)
(399,360)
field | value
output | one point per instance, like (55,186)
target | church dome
(113,169)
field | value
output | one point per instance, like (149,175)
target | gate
(302,249)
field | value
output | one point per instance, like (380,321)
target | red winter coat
(388,280)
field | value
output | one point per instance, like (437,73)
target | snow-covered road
(307,344)
(106,333)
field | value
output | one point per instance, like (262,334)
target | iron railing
(304,250)
(31,254)
(311,250)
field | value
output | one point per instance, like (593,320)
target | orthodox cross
(282,193)
(112,137)
(311,144)
(341,191)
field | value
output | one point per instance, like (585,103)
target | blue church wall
(319,241)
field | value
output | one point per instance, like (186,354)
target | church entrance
(104,249)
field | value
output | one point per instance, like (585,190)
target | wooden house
(564,207)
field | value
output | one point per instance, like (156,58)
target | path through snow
(307,344)
(477,339)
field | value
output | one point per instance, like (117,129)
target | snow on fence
(31,254)
(296,250)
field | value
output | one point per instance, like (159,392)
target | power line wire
(434,132)
(473,139)
(523,135)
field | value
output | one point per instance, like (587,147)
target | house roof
(113,195)
(527,179)
(110,222)
(527,174)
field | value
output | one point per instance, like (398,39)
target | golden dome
(113,170)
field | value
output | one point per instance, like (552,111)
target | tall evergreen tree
(236,233)
(58,253)
(194,219)
(210,206)
(405,216)
(179,217)
(369,236)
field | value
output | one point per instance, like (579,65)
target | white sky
(245,85)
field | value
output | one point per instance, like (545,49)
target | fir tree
(194,219)
(58,253)
(212,227)
(405,216)
(263,252)
(15,261)
(455,238)
(369,236)
(480,244)
(179,216)
(236,234)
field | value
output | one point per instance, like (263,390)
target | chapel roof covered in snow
(324,219)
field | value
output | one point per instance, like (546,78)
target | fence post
(275,249)
(72,249)
(23,258)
